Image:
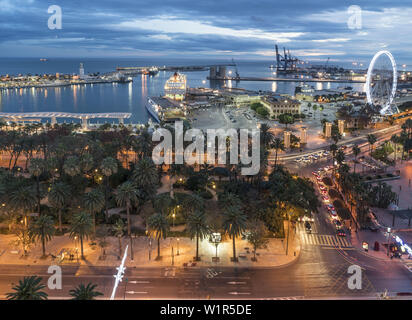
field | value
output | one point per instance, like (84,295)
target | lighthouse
(81,71)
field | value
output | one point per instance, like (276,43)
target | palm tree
(94,203)
(158,226)
(23,200)
(278,145)
(395,140)
(59,198)
(234,223)
(72,166)
(266,137)
(86,162)
(197,227)
(43,230)
(36,168)
(356,151)
(118,229)
(145,175)
(108,168)
(126,195)
(28,289)
(372,140)
(82,292)
(81,227)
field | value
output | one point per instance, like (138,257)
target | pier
(283,79)
(84,117)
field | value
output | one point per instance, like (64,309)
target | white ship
(153,108)
(175,87)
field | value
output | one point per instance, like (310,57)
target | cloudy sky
(313,30)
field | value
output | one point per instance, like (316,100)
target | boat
(175,87)
(152,108)
(43,59)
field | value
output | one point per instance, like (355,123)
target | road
(321,271)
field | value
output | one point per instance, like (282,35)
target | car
(308,226)
(325,198)
(330,207)
(340,233)
(323,188)
(337,223)
(325,193)
(315,174)
(319,178)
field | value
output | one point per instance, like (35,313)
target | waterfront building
(281,104)
(175,87)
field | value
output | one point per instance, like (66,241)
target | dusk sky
(313,30)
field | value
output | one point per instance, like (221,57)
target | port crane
(286,63)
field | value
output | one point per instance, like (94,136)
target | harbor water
(123,97)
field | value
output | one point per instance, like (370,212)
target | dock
(272,79)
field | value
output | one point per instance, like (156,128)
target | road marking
(239,293)
(236,282)
(136,292)
(135,282)
(325,240)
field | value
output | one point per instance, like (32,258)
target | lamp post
(287,242)
(389,239)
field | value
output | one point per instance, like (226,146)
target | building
(281,104)
(175,87)
(311,95)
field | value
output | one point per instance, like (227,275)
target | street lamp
(287,243)
(389,239)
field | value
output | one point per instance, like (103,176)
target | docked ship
(169,107)
(153,108)
(175,87)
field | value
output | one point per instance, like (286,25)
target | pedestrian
(409,183)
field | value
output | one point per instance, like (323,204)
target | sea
(125,97)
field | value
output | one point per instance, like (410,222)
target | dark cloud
(220,28)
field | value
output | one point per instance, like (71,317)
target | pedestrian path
(408,265)
(324,240)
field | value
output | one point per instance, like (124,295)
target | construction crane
(327,63)
(286,63)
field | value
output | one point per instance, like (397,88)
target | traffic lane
(391,275)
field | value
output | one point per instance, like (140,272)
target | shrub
(263,111)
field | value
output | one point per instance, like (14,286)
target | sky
(312,30)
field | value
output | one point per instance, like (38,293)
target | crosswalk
(408,265)
(324,240)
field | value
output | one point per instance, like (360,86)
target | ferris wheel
(381,82)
